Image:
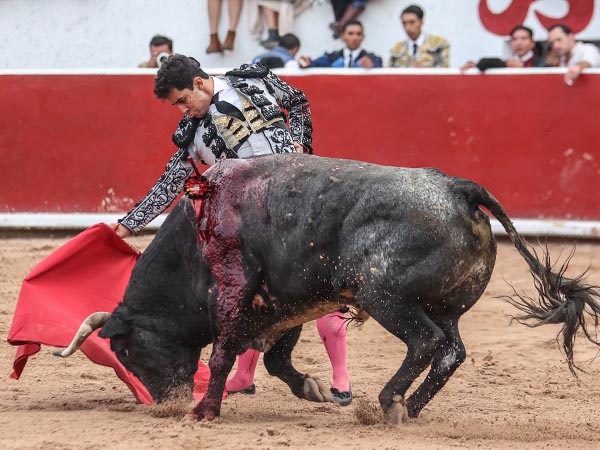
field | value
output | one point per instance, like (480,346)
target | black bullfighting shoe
(342,398)
(249,390)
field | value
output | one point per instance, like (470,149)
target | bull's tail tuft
(559,299)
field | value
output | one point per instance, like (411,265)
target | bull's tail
(560,299)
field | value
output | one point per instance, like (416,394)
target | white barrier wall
(115,34)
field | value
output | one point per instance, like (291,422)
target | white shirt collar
(420,41)
(347,52)
(355,53)
(219,84)
(526,57)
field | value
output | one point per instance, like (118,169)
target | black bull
(291,238)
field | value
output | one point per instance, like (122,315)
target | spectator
(420,49)
(525,53)
(574,55)
(272,18)
(159,45)
(279,16)
(343,11)
(352,55)
(552,58)
(234,9)
(282,55)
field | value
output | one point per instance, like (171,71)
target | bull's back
(327,219)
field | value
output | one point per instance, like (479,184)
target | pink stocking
(244,374)
(332,330)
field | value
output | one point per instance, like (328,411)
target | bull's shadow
(411,247)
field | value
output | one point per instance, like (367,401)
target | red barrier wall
(96,143)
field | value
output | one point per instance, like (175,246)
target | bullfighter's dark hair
(566,29)
(178,72)
(413,9)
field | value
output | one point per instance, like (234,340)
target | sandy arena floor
(513,392)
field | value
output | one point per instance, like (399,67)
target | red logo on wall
(577,18)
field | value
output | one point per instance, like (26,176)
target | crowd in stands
(419,49)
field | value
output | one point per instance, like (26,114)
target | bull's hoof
(397,413)
(315,391)
(202,414)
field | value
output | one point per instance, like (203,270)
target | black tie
(415,48)
(227,108)
(350,61)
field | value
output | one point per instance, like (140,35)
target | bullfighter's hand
(122,231)
(299,148)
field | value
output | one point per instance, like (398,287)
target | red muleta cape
(89,273)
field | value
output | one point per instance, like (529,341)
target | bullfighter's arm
(296,103)
(161,195)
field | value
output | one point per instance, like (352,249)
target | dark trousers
(339,6)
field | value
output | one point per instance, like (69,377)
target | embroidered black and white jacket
(244,119)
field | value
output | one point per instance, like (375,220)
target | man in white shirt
(574,55)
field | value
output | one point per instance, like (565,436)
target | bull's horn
(93,322)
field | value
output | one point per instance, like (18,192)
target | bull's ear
(114,327)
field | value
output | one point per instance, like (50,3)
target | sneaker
(341,398)
(269,43)
(250,390)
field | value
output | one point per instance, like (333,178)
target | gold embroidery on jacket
(235,131)
(435,52)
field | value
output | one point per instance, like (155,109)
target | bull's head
(163,362)
(160,358)
(161,325)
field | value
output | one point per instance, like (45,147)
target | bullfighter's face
(193,102)
(163,365)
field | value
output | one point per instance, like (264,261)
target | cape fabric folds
(89,273)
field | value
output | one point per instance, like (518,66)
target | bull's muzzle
(91,323)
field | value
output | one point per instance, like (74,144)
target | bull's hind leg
(423,339)
(445,362)
(278,362)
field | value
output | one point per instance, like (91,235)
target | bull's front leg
(220,364)
(228,299)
